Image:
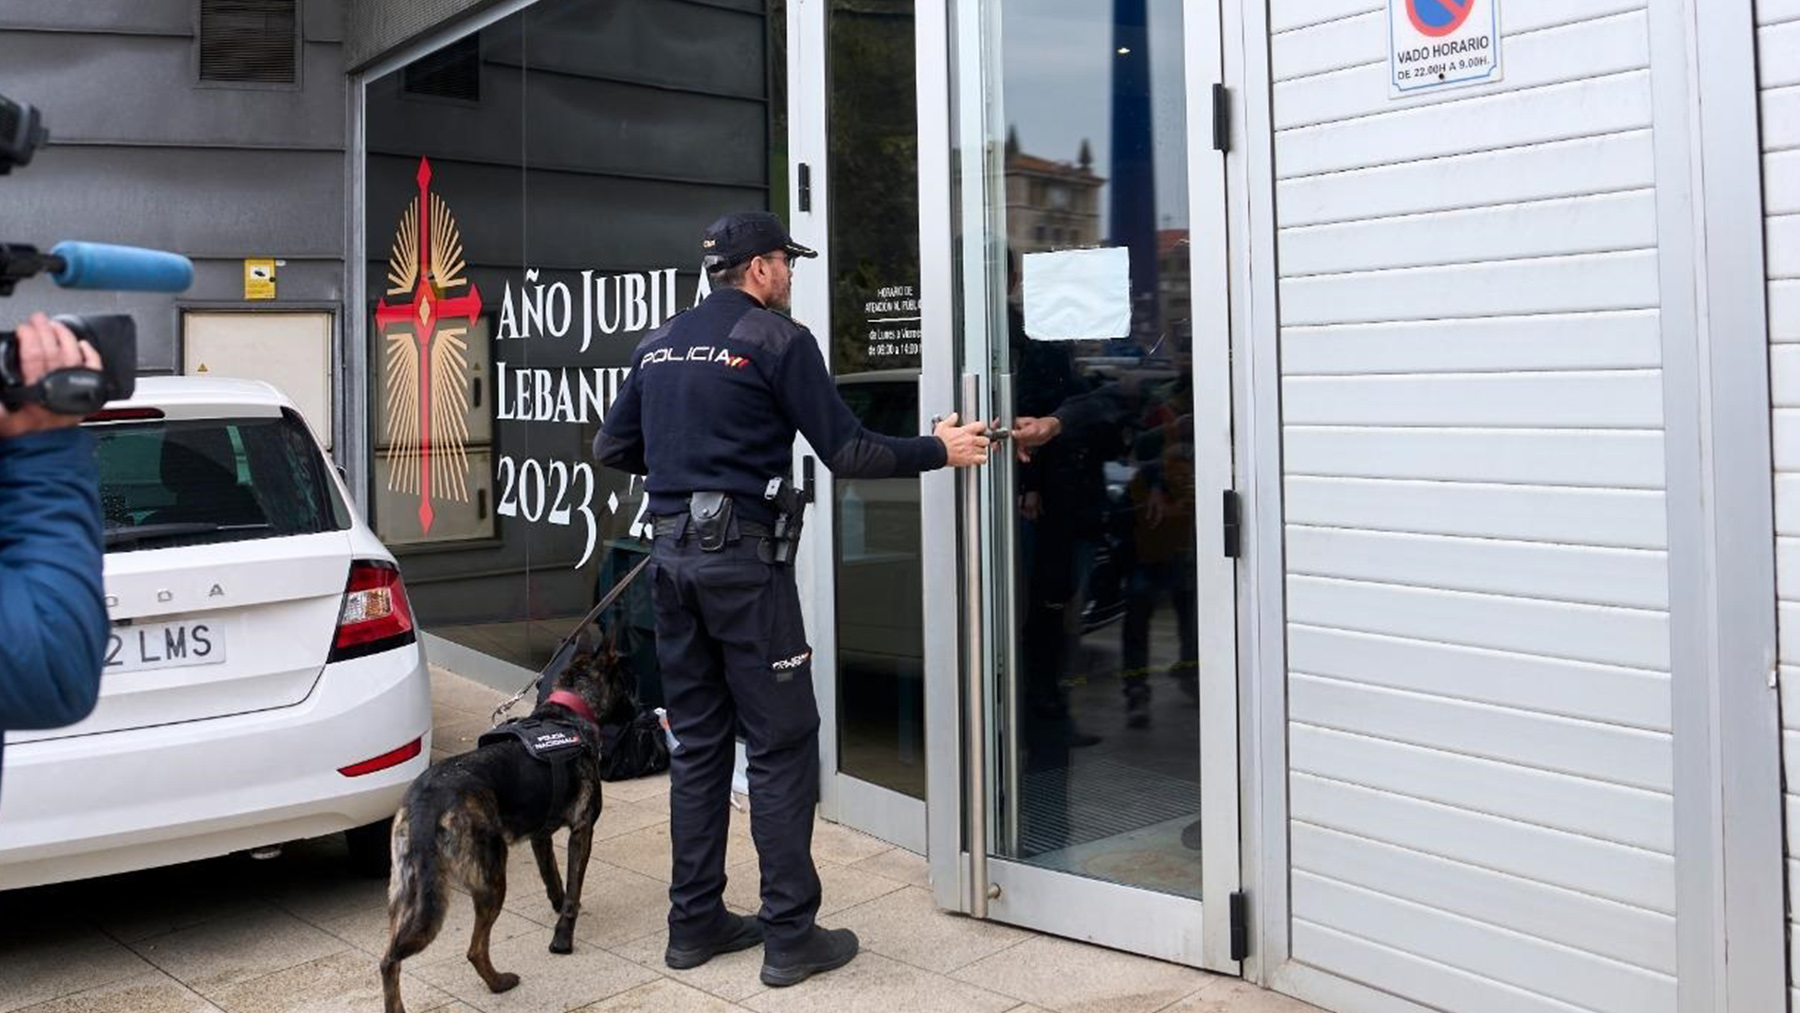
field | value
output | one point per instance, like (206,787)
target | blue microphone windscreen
(122,268)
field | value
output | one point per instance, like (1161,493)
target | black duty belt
(671,524)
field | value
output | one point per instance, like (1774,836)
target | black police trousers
(733,649)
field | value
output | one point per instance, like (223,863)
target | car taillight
(376,615)
(125,415)
(392,758)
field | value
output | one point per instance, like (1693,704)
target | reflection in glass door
(859,129)
(1105,715)
(872,127)
(1100,770)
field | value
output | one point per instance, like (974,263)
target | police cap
(737,237)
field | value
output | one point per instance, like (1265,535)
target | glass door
(857,201)
(1099,668)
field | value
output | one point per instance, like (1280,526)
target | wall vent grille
(249,41)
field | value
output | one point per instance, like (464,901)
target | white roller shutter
(1481,765)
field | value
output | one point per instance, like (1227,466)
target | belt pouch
(709,514)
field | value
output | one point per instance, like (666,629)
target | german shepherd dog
(459,818)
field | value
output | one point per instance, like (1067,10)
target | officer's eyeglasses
(783,257)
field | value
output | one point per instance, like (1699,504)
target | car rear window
(201,481)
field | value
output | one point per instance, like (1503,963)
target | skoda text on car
(263,681)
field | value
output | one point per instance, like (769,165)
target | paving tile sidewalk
(299,934)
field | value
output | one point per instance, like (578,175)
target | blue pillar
(1132,193)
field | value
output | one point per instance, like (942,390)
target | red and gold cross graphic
(433,267)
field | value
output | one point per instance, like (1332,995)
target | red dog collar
(575,703)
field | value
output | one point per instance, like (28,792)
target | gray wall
(142,154)
(377,26)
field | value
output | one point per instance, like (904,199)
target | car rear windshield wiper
(154,532)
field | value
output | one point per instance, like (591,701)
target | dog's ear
(609,647)
(585,643)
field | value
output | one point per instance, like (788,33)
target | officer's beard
(781,300)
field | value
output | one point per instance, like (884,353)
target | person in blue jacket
(52,609)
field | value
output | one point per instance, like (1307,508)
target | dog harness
(551,741)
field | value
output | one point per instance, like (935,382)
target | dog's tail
(417,892)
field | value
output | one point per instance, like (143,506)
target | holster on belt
(709,518)
(790,517)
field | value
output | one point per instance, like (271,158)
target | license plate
(164,645)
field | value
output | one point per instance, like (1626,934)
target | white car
(263,683)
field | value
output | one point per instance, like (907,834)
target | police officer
(709,414)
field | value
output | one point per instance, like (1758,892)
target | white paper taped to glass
(1078,295)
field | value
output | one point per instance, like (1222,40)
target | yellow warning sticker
(259,278)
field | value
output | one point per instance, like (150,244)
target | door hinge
(1233,523)
(1240,926)
(1221,110)
(805,173)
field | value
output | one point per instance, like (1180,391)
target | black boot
(824,950)
(1137,705)
(741,933)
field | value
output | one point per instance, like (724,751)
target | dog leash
(605,603)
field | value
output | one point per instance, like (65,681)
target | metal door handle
(1006,529)
(974,668)
(996,433)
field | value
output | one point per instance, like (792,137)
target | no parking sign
(1437,44)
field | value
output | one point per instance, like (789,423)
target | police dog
(459,818)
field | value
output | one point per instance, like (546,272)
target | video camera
(80,266)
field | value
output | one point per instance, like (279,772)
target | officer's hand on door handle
(963,445)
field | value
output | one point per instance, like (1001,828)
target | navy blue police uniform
(712,405)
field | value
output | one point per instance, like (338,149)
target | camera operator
(53,625)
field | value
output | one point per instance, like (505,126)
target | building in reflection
(1175,288)
(1051,205)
